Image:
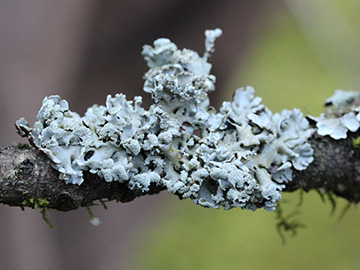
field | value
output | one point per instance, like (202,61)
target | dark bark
(26,178)
(336,168)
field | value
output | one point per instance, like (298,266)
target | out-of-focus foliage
(189,238)
(286,72)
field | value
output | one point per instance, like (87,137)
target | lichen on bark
(241,156)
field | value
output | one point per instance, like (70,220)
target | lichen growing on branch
(344,116)
(241,156)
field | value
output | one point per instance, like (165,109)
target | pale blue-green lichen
(343,118)
(241,156)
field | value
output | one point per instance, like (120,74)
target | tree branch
(242,156)
(336,168)
(26,176)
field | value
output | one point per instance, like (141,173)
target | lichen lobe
(242,156)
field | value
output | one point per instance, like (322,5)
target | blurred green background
(298,60)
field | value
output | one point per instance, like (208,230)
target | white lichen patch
(241,156)
(343,118)
(342,98)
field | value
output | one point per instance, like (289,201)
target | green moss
(36,203)
(356,142)
(43,212)
(41,204)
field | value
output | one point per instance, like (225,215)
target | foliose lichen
(241,156)
(343,117)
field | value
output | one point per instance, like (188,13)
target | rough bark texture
(27,179)
(336,168)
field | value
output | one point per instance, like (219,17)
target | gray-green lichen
(241,156)
(342,118)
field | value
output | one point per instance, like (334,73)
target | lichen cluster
(344,116)
(241,156)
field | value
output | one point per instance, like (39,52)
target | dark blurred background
(294,52)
